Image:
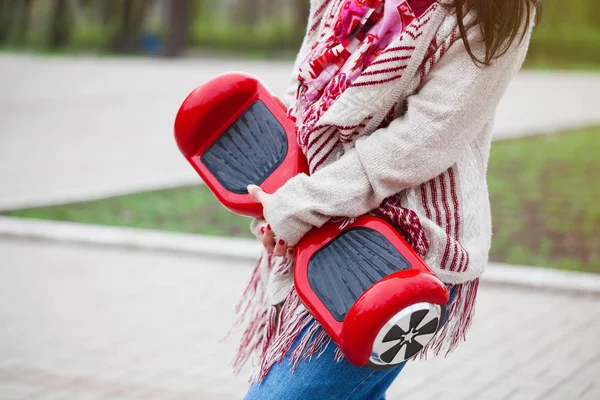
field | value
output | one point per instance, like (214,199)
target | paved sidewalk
(78,128)
(80,322)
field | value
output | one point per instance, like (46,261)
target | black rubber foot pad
(248,151)
(344,269)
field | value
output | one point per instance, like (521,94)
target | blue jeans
(323,378)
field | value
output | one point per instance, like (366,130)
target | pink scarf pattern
(360,33)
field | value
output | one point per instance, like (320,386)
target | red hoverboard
(369,290)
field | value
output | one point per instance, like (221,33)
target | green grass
(278,38)
(568,36)
(188,209)
(544,192)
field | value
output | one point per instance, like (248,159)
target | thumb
(256,192)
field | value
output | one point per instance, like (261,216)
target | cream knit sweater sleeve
(288,96)
(452,106)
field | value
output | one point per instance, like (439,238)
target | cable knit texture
(407,141)
(434,156)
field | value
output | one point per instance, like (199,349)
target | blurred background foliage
(568,36)
(155,27)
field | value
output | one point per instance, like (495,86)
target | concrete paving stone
(140,324)
(521,364)
(529,389)
(561,394)
(63,395)
(418,395)
(582,377)
(563,369)
(593,394)
(110,388)
(12,391)
(520,396)
(588,376)
(412,394)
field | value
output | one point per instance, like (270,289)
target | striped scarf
(361,32)
(355,49)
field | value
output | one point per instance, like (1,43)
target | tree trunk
(22,20)
(8,9)
(594,13)
(108,11)
(131,21)
(246,13)
(61,24)
(301,13)
(177,27)
(272,9)
(122,41)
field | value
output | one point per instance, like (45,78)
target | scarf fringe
(343,222)
(270,331)
(460,316)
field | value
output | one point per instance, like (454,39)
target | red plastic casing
(210,110)
(356,334)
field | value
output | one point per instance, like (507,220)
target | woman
(394,102)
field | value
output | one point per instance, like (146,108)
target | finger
(291,253)
(256,192)
(269,239)
(280,248)
(262,229)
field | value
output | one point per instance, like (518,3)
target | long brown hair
(500,21)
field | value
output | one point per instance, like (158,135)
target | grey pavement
(79,128)
(81,322)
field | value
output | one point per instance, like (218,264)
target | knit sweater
(434,156)
(408,142)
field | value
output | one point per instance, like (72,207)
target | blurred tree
(594,13)
(108,11)
(271,8)
(21,11)
(8,9)
(61,24)
(246,12)
(301,13)
(178,27)
(200,8)
(131,15)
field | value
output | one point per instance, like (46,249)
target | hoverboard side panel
(234,132)
(346,267)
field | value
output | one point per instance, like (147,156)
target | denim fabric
(323,378)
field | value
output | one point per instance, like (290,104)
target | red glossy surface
(380,303)
(317,239)
(209,111)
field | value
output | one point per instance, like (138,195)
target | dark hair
(500,21)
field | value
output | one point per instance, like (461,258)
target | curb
(249,249)
(142,239)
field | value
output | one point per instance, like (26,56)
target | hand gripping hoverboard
(369,290)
